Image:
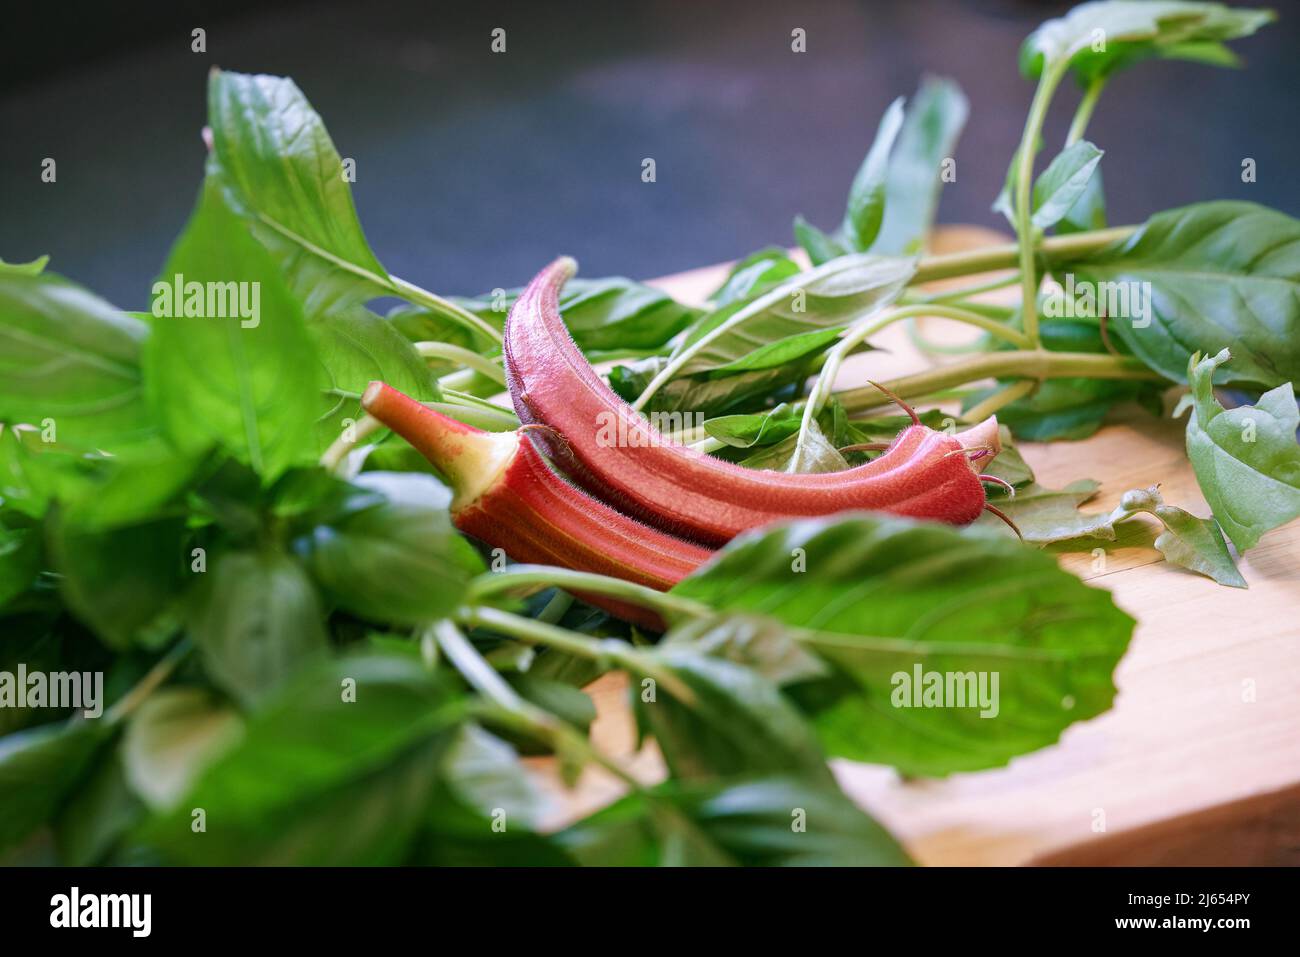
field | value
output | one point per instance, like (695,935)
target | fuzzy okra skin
(508,496)
(924,474)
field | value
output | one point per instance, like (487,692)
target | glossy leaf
(1222,275)
(866,204)
(829,296)
(877,598)
(250,385)
(277,166)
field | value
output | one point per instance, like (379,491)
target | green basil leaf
(277,166)
(748,430)
(394,555)
(125,584)
(33,268)
(755,274)
(485,774)
(247,383)
(20,560)
(932,125)
(829,296)
(1068,409)
(70,363)
(256,619)
(866,204)
(98,815)
(703,394)
(40,769)
(484,808)
(561,698)
(1089,210)
(356,347)
(1246,459)
(782,352)
(813,452)
(420,324)
(1063,183)
(821,247)
(1005,202)
(612,313)
(739,723)
(881,599)
(114,491)
(31,641)
(1096,38)
(335,769)
(1046,515)
(1195,543)
(866,208)
(172,737)
(1222,275)
(759,822)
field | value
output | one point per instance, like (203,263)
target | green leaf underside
(1063,183)
(928,138)
(828,297)
(1134,29)
(356,347)
(69,359)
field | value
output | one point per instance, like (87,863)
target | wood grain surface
(1199,760)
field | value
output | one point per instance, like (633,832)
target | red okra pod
(508,496)
(924,473)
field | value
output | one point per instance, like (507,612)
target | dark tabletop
(475,168)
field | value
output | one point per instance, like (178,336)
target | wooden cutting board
(1198,762)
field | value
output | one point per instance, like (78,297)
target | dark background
(474,169)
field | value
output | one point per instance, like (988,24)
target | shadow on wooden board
(1259,831)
